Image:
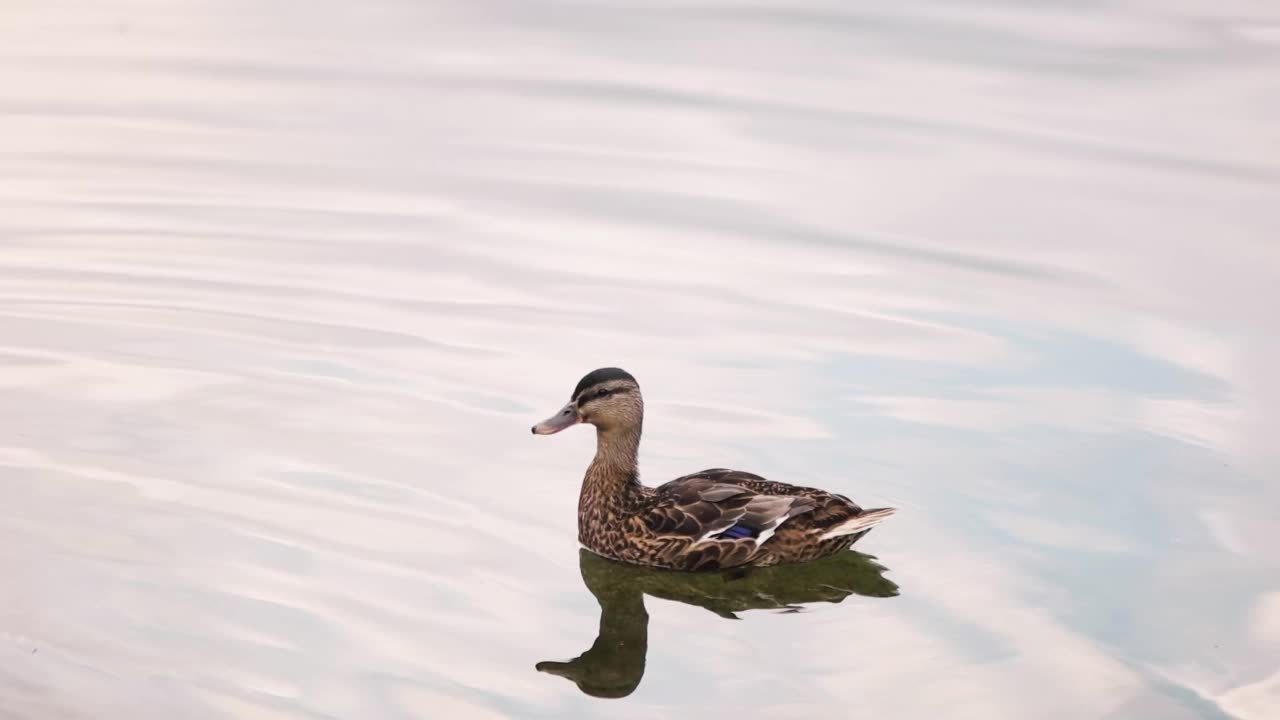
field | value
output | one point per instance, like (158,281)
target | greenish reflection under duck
(614,665)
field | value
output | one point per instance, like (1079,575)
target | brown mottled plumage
(705,521)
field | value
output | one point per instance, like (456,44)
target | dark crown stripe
(595,377)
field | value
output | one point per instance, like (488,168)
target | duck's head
(608,398)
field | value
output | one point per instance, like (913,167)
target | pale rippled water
(284,284)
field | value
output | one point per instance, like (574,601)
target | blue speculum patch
(737,532)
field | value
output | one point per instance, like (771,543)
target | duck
(708,520)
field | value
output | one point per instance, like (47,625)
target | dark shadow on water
(614,664)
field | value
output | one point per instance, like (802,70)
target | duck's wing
(722,475)
(705,509)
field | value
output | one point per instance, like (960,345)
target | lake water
(283,286)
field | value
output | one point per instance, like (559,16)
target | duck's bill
(567,417)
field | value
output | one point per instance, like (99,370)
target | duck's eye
(603,393)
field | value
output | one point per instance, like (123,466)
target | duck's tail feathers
(861,522)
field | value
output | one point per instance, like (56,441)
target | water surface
(283,286)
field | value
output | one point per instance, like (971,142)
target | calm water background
(284,284)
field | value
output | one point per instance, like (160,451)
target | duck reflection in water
(614,665)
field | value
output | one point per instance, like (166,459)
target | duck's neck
(617,451)
(612,481)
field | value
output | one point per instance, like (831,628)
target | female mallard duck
(705,521)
